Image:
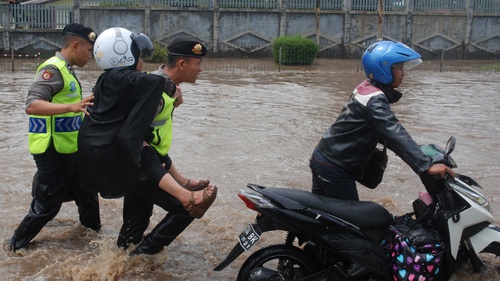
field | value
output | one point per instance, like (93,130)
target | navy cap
(187,47)
(80,30)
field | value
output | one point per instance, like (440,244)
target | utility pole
(317,21)
(380,20)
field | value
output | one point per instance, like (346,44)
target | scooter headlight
(470,193)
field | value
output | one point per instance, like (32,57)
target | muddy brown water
(239,128)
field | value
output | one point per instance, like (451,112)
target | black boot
(164,233)
(124,242)
(148,246)
(89,214)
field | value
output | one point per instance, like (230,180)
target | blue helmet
(382,55)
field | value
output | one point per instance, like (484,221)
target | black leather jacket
(366,120)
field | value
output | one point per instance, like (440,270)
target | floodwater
(239,128)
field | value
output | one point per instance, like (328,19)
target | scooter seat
(364,214)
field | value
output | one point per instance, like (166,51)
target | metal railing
(311,4)
(56,17)
(141,3)
(484,6)
(487,6)
(442,5)
(40,16)
(183,3)
(110,3)
(255,4)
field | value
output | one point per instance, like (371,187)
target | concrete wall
(250,32)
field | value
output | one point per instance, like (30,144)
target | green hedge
(295,50)
(160,54)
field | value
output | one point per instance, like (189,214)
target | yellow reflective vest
(162,126)
(62,129)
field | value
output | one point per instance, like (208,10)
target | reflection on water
(236,129)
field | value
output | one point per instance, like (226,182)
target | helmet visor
(144,44)
(411,63)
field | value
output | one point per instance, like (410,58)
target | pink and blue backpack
(416,252)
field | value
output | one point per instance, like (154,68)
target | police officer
(112,137)
(183,65)
(56,107)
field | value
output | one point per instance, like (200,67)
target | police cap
(80,30)
(187,47)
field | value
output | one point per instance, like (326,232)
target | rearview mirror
(450,145)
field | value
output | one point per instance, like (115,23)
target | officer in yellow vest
(56,108)
(183,65)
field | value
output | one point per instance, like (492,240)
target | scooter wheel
(277,261)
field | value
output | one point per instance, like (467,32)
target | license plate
(248,237)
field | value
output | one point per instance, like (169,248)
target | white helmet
(116,47)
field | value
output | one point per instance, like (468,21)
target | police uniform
(52,141)
(138,205)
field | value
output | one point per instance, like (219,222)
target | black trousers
(56,181)
(137,210)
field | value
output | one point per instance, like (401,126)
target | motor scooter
(332,239)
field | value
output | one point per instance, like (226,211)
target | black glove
(170,88)
(149,136)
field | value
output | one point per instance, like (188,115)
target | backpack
(416,252)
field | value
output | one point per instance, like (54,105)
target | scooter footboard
(485,237)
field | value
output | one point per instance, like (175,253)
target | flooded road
(236,129)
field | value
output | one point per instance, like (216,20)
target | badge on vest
(47,75)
